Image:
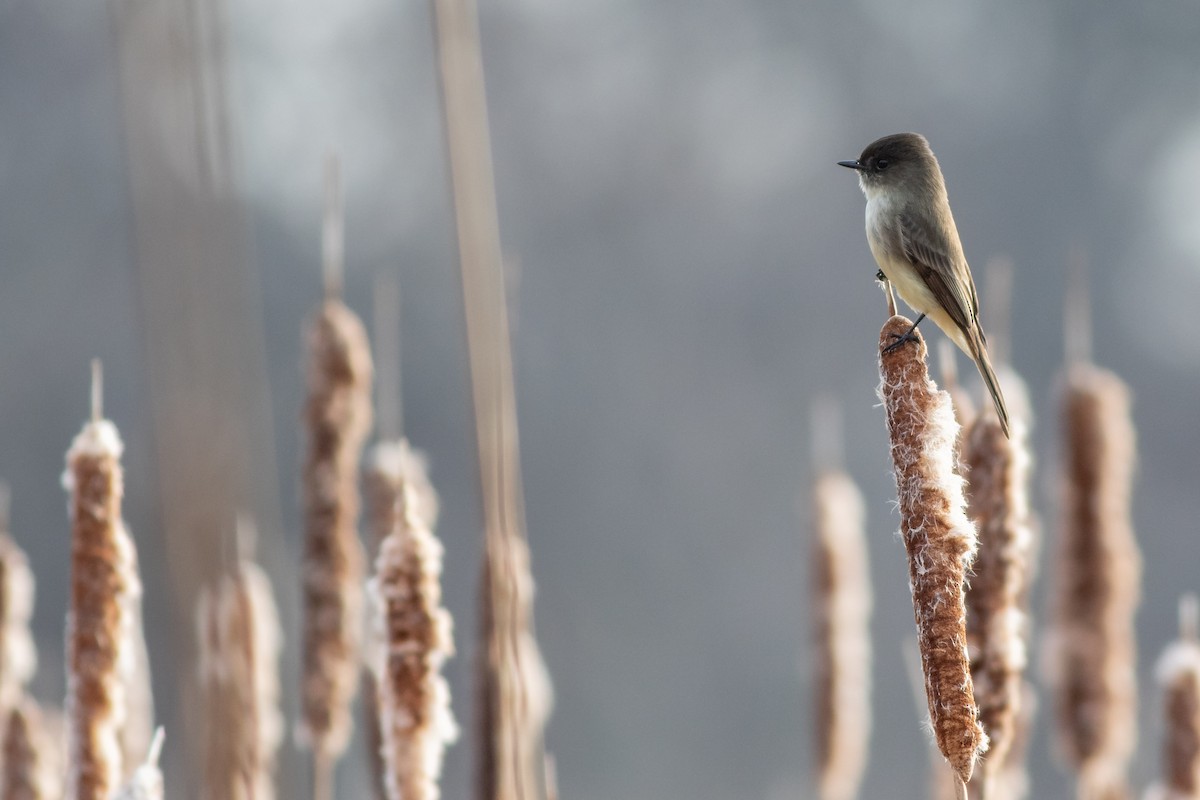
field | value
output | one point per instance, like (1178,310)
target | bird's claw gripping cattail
(939,538)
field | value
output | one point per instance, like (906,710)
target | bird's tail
(980,354)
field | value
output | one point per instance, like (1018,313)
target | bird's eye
(881,163)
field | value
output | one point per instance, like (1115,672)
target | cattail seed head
(337,418)
(1179,676)
(842,603)
(938,536)
(32,759)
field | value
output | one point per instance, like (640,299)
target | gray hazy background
(692,272)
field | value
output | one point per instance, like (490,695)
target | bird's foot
(907,336)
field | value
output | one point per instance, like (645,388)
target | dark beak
(850,164)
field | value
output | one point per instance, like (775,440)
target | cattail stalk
(512,687)
(412,639)
(239,642)
(32,759)
(939,539)
(997,468)
(337,419)
(843,608)
(103,583)
(1179,676)
(1097,586)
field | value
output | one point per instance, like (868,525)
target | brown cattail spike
(1098,584)
(239,641)
(337,419)
(412,641)
(998,467)
(938,536)
(1179,677)
(103,583)
(18,655)
(32,759)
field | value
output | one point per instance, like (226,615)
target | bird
(915,243)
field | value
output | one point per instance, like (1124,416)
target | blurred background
(688,272)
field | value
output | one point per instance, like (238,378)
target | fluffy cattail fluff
(337,419)
(138,730)
(412,639)
(18,656)
(32,760)
(938,536)
(103,585)
(997,469)
(1097,587)
(146,783)
(843,610)
(239,642)
(1179,676)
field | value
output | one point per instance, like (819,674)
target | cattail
(964,407)
(1097,587)
(938,536)
(103,585)
(1179,676)
(146,782)
(239,643)
(412,637)
(337,419)
(32,759)
(843,608)
(18,655)
(997,468)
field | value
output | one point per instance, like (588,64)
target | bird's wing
(948,277)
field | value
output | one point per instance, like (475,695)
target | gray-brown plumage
(915,243)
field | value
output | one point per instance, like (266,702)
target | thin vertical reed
(939,538)
(103,581)
(511,683)
(842,606)
(1097,588)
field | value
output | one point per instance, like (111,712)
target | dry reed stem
(146,783)
(511,683)
(997,468)
(1098,585)
(337,419)
(412,633)
(939,539)
(32,760)
(239,642)
(103,583)
(842,603)
(1178,674)
(18,654)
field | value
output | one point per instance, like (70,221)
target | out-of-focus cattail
(18,655)
(1179,677)
(842,604)
(1097,588)
(103,585)
(32,760)
(938,536)
(337,419)
(997,469)
(1011,780)
(146,783)
(412,637)
(239,642)
(964,406)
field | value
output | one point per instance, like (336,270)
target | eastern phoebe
(915,243)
